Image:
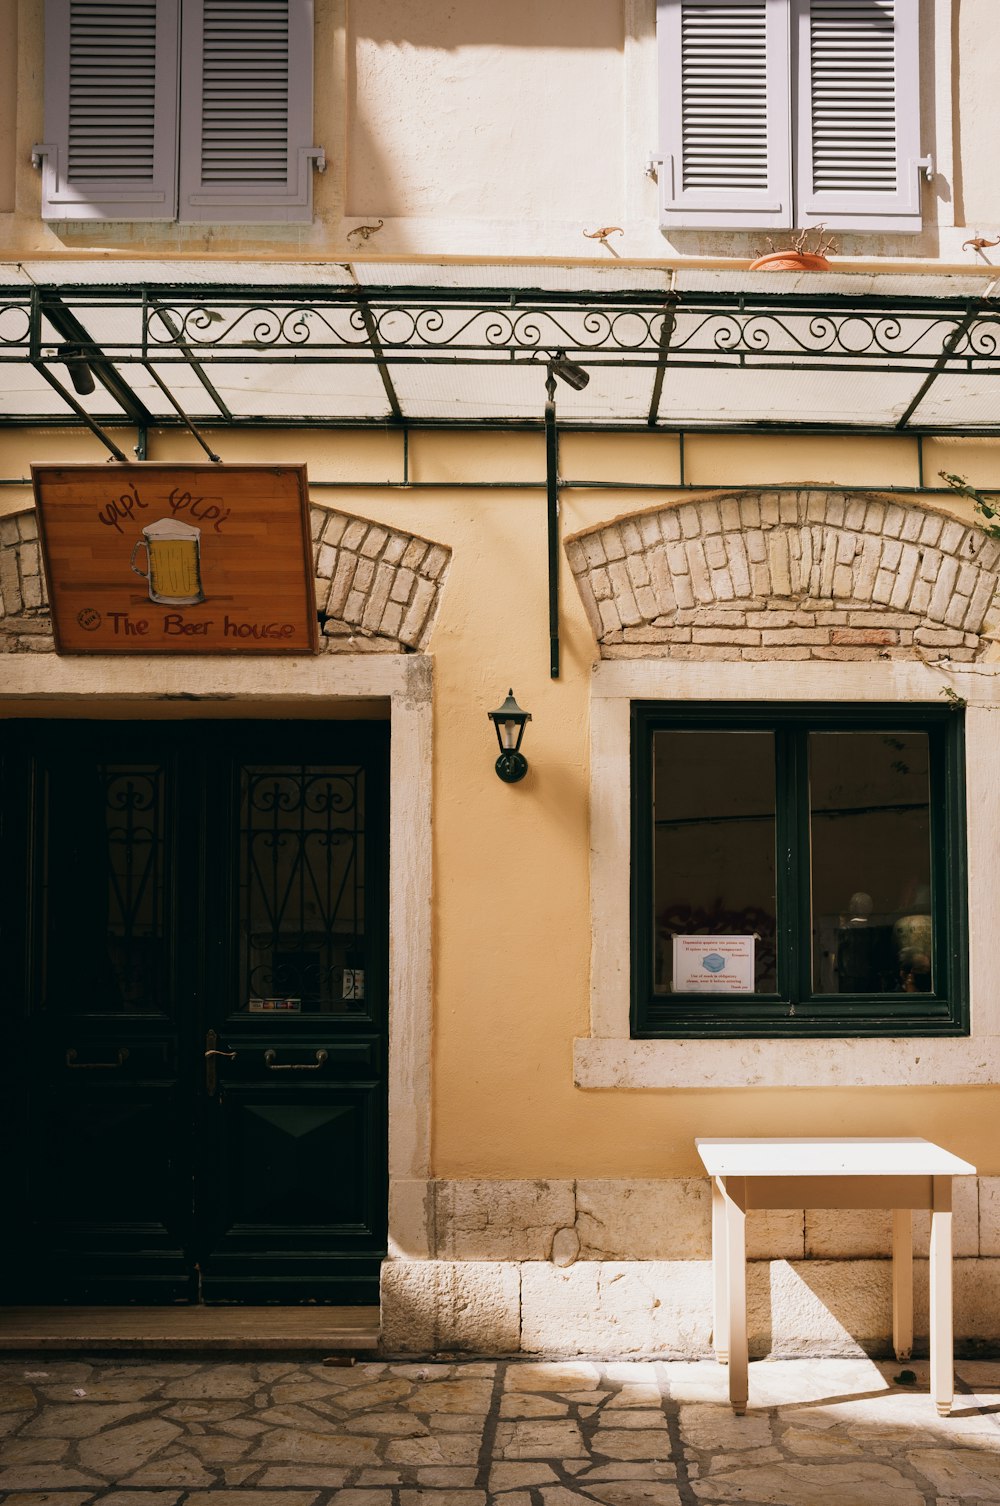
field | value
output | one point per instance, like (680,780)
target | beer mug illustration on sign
(173,562)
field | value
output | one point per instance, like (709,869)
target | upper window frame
(172,188)
(788,198)
(797,1012)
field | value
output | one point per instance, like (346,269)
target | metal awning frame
(203,327)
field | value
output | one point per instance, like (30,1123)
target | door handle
(212,1051)
(275,1066)
(121,1057)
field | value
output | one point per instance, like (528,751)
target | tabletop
(799,1156)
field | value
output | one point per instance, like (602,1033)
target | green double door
(195,925)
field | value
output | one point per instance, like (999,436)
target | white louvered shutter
(725,113)
(858,117)
(246,114)
(110,110)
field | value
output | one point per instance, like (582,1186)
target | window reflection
(714,844)
(871,862)
(105,888)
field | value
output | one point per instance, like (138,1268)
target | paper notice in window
(713,965)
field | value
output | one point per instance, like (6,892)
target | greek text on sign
(713,964)
(152,558)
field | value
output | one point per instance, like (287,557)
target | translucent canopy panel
(614,394)
(183,382)
(612,278)
(115,272)
(319,392)
(961,402)
(24,393)
(849,285)
(470,392)
(726,395)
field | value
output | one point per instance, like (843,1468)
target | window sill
(814,1063)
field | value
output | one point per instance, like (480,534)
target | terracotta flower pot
(790,261)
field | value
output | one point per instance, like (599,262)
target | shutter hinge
(318,156)
(927,163)
(653,163)
(40,151)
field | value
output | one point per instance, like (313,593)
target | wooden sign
(177,559)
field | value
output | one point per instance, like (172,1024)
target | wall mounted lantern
(509,721)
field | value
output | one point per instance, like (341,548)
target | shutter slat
(723,49)
(245,55)
(100,56)
(852,56)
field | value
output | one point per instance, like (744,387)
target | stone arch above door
(377,587)
(794,574)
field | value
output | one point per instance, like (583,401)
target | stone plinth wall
(378,587)
(787,575)
(624,1268)
(664,1308)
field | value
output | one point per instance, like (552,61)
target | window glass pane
(105,882)
(871,862)
(713,845)
(302,886)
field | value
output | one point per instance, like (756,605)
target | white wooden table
(850,1173)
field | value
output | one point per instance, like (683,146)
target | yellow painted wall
(511,938)
(465,111)
(977,181)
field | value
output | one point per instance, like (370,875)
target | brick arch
(793,574)
(378,587)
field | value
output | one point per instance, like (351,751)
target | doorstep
(323,1329)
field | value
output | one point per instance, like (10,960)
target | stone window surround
(50,686)
(790,573)
(608,1057)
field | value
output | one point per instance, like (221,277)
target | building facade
(309,1005)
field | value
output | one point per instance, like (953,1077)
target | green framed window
(798,870)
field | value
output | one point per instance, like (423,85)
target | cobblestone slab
(848,1432)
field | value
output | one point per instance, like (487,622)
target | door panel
(294,1186)
(176,883)
(109,1223)
(109,1148)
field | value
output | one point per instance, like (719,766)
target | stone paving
(144,1432)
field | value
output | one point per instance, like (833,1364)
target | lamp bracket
(511,766)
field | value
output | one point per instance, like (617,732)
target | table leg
(942,1335)
(902,1283)
(720,1277)
(736,1292)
